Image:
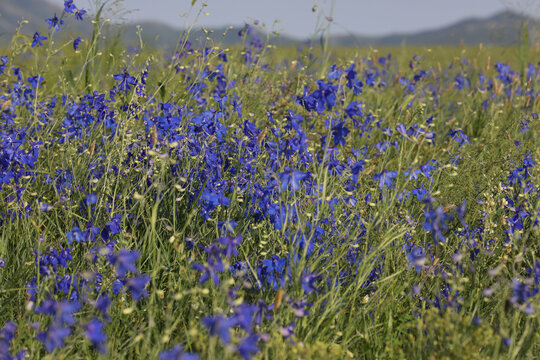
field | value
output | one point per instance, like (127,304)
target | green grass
(363,310)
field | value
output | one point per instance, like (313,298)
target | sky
(296,17)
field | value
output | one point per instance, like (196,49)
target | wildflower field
(261,202)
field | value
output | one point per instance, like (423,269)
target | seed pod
(92,148)
(261,136)
(278,299)
(507,305)
(154,136)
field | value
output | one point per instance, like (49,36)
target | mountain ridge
(499,29)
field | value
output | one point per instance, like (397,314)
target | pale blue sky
(360,17)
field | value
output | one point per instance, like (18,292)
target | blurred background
(344,22)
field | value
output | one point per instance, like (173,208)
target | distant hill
(35,12)
(161,35)
(13,11)
(500,29)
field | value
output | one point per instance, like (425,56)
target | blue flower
(263,311)
(287,331)
(102,304)
(124,261)
(416,256)
(54,22)
(243,316)
(126,81)
(75,235)
(219,325)
(112,227)
(436,222)
(460,137)
(385,178)
(53,337)
(94,332)
(177,353)
(35,81)
(69,6)
(522,295)
(62,311)
(3,63)
(76,43)
(79,14)
(292,177)
(7,334)
(90,199)
(136,286)
(209,271)
(248,346)
(231,244)
(45,207)
(65,311)
(37,39)
(308,282)
(339,132)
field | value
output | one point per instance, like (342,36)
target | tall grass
(384,210)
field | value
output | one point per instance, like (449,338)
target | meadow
(258,202)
